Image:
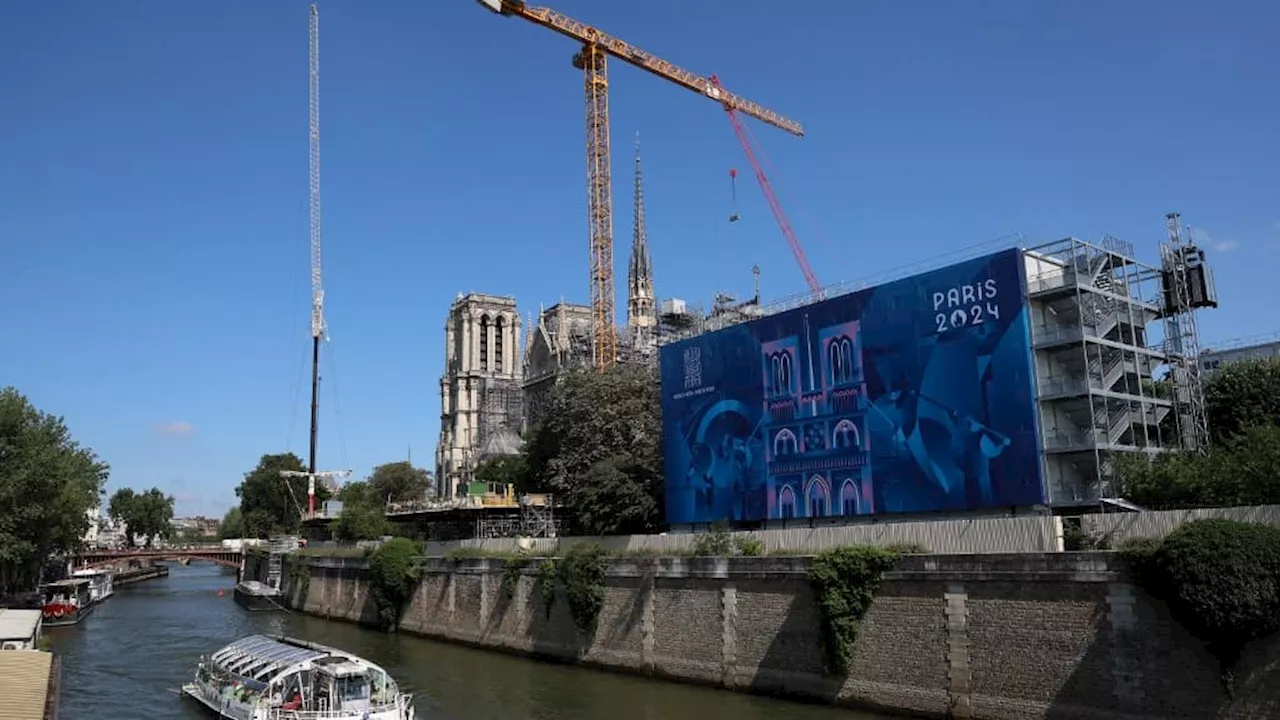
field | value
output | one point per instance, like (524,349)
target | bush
(1220,579)
(393,575)
(715,543)
(748,546)
(547,585)
(845,581)
(581,574)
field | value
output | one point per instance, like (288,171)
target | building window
(484,342)
(499,328)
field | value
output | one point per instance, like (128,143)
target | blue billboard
(913,396)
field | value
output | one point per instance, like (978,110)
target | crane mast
(317,289)
(592,59)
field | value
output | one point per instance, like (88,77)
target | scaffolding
(1188,286)
(1100,388)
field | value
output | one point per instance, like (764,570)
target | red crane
(765,187)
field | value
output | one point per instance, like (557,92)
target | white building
(480,399)
(1214,357)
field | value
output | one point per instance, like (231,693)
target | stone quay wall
(989,637)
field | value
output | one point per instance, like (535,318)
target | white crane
(318,328)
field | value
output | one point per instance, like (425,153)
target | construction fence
(1028,534)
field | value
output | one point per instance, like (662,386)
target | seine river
(127,659)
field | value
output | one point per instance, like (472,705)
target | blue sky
(153,189)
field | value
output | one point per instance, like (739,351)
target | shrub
(511,573)
(1220,579)
(547,585)
(749,546)
(845,581)
(581,574)
(393,574)
(715,543)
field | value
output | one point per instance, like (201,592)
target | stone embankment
(1057,635)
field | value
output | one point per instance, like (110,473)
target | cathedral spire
(641,318)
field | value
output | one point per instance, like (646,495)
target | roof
(260,657)
(18,624)
(26,683)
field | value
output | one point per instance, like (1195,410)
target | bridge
(97,558)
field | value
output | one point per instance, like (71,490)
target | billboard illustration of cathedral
(913,396)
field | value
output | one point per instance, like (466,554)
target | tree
(399,482)
(511,470)
(600,449)
(1241,396)
(48,485)
(232,525)
(272,504)
(357,493)
(361,521)
(149,513)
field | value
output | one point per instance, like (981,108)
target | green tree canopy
(272,504)
(1241,396)
(399,482)
(149,513)
(511,470)
(48,486)
(232,525)
(361,521)
(357,493)
(599,450)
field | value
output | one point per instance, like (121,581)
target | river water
(127,659)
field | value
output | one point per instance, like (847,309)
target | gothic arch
(845,436)
(785,443)
(850,500)
(786,502)
(817,497)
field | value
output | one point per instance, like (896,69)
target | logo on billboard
(966,305)
(692,368)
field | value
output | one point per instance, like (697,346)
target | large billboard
(913,396)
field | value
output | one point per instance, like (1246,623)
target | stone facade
(991,637)
(480,398)
(560,342)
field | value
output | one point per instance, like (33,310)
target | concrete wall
(1035,533)
(1060,635)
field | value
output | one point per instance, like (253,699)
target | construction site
(1114,340)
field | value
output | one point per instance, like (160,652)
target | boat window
(382,687)
(355,687)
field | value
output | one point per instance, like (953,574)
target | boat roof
(261,657)
(69,582)
(91,572)
(18,624)
(26,683)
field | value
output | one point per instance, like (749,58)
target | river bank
(988,637)
(126,660)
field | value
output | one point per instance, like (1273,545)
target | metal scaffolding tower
(1188,287)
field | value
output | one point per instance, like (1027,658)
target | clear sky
(153,184)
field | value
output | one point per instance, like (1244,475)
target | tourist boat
(279,678)
(66,602)
(101,583)
(254,596)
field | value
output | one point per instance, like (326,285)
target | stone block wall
(990,637)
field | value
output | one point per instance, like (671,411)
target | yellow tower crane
(596,47)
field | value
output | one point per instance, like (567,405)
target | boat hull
(255,602)
(62,616)
(214,703)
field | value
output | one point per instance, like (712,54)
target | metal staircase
(273,570)
(1105,375)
